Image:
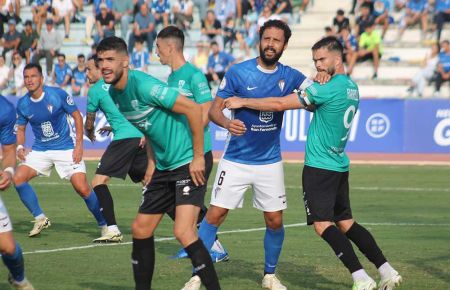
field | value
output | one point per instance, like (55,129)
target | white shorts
(43,162)
(233,179)
(5,222)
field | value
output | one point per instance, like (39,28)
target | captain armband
(303,98)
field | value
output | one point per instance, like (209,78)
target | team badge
(181,83)
(50,108)
(105,87)
(223,83)
(47,129)
(265,117)
(281,84)
(69,100)
(134,104)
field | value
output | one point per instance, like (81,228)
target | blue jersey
(417,5)
(7,122)
(380,6)
(48,117)
(442,5)
(79,76)
(220,61)
(261,143)
(139,59)
(62,72)
(160,7)
(444,60)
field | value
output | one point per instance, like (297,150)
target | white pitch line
(223,233)
(365,188)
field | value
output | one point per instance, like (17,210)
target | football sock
(201,216)
(342,248)
(365,242)
(15,264)
(385,270)
(207,233)
(273,242)
(360,275)
(93,205)
(29,198)
(203,265)
(106,203)
(143,261)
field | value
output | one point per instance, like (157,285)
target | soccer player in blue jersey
(9,249)
(47,109)
(252,155)
(326,170)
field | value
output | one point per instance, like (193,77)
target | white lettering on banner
(443,113)
(296,127)
(378,125)
(442,132)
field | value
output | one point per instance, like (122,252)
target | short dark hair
(28,23)
(328,29)
(331,43)
(94,58)
(61,55)
(214,43)
(365,5)
(277,24)
(173,32)
(340,12)
(81,55)
(112,43)
(32,65)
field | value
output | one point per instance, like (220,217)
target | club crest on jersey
(47,129)
(265,117)
(134,104)
(281,84)
(223,83)
(105,87)
(69,100)
(181,83)
(50,108)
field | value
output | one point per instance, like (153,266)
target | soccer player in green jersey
(125,155)
(326,170)
(173,125)
(192,83)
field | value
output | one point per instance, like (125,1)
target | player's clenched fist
(236,127)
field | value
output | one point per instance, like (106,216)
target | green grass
(405,207)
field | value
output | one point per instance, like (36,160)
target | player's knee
(139,230)
(18,179)
(8,249)
(184,235)
(320,227)
(216,215)
(99,180)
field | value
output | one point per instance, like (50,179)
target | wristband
(19,147)
(301,98)
(9,169)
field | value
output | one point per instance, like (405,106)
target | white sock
(217,247)
(39,217)
(386,270)
(360,275)
(113,228)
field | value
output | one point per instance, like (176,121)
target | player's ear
(126,61)
(285,46)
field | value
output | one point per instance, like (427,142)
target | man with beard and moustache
(252,155)
(173,125)
(326,170)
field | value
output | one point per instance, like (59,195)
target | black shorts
(172,188)
(366,57)
(326,195)
(124,157)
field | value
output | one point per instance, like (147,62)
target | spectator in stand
(328,31)
(123,14)
(350,44)
(140,59)
(283,8)
(79,79)
(381,13)
(48,46)
(370,47)
(229,35)
(364,19)
(161,12)
(443,68)
(10,40)
(62,73)
(212,29)
(28,41)
(183,14)
(6,13)
(16,74)
(40,8)
(442,15)
(4,73)
(62,12)
(104,23)
(78,7)
(249,37)
(267,15)
(224,9)
(91,19)
(257,6)
(426,73)
(340,20)
(143,28)
(218,63)
(416,10)
(202,6)
(200,59)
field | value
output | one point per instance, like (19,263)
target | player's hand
(105,130)
(21,154)
(197,170)
(236,127)
(234,103)
(77,154)
(322,77)
(148,175)
(90,133)
(5,179)
(142,142)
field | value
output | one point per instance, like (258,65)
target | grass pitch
(405,207)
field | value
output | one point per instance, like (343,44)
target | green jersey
(147,103)
(336,105)
(192,83)
(98,98)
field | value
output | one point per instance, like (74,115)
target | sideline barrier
(380,125)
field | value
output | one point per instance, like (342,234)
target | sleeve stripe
(305,84)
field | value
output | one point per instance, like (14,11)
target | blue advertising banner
(380,125)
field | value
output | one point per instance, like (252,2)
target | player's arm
(89,125)
(21,142)
(9,163)
(205,109)
(271,104)
(151,165)
(78,150)
(193,113)
(235,127)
